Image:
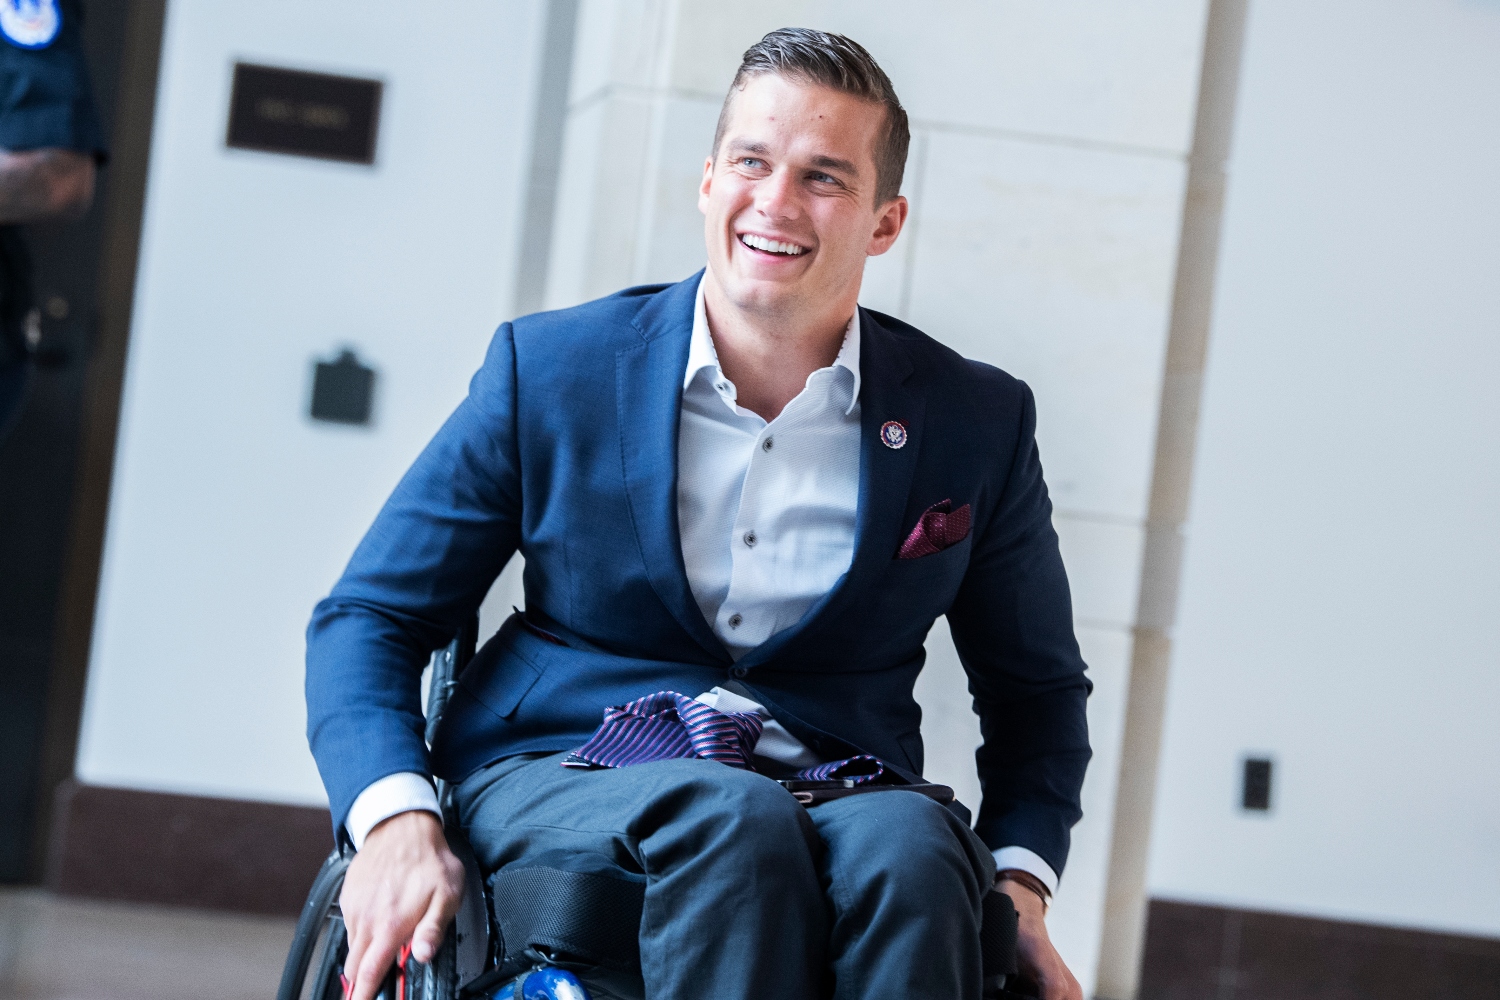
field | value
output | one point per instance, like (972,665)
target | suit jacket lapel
(648,381)
(885,480)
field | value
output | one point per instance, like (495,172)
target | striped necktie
(669,726)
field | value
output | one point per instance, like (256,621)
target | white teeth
(770,246)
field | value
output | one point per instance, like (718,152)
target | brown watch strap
(1030,881)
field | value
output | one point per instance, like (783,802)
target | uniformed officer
(50,146)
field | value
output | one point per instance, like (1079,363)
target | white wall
(232,512)
(1342,580)
(1046,177)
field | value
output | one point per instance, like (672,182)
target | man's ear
(888,226)
(708,182)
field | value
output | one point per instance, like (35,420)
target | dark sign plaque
(304,114)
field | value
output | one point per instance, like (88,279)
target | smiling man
(748,494)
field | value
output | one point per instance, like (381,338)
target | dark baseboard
(184,850)
(1193,952)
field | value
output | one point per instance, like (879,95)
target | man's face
(789,201)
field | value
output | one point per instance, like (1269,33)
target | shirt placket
(753,548)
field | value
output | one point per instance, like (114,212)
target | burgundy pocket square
(939,527)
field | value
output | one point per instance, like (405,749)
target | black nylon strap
(997,935)
(587,917)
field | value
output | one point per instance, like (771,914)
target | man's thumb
(428,936)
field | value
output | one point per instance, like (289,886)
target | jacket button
(738,672)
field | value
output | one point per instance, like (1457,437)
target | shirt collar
(701,353)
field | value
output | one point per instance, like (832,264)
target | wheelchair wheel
(320,945)
(325,982)
(320,935)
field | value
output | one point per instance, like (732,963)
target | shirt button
(767,443)
(722,387)
(738,672)
(734,620)
(750,539)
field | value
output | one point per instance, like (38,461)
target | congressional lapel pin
(893,434)
(30,24)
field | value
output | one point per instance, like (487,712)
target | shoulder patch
(30,24)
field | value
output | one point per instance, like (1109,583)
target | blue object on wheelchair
(543,984)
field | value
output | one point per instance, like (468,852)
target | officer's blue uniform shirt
(46,100)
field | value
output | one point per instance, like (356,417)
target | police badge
(30,24)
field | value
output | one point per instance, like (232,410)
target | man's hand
(1037,959)
(404,885)
(38,184)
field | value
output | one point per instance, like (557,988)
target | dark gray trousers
(749,894)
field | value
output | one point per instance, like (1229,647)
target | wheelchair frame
(319,943)
(462,970)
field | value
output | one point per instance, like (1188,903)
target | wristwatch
(1029,881)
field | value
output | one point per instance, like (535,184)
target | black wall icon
(1256,792)
(343,390)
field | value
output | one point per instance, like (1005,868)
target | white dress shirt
(766,512)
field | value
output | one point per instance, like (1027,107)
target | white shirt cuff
(1029,862)
(405,791)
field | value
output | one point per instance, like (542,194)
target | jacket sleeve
(421,571)
(1012,624)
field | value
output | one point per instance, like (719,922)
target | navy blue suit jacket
(566,450)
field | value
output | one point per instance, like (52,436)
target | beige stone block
(1056,264)
(672,244)
(1103,561)
(1120,74)
(620,44)
(596,228)
(1077,916)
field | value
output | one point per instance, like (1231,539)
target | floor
(54,948)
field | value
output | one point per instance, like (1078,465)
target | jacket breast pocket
(923,587)
(952,560)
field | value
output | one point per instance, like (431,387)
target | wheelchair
(501,948)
